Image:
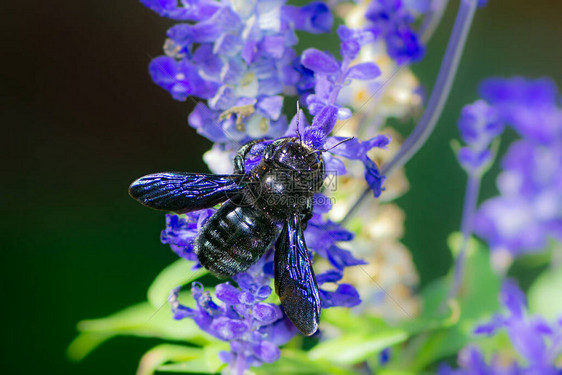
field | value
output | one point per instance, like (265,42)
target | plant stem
(437,100)
(431,22)
(469,209)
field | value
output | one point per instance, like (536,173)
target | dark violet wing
(184,192)
(295,283)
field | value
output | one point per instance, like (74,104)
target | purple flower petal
(227,293)
(373,177)
(266,351)
(322,204)
(513,298)
(196,11)
(379,141)
(319,62)
(267,313)
(341,258)
(264,291)
(351,149)
(271,106)
(330,276)
(228,329)
(345,295)
(322,125)
(364,71)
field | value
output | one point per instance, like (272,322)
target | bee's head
(295,155)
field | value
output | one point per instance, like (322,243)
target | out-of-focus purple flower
(181,230)
(392,19)
(472,362)
(529,208)
(479,126)
(538,342)
(531,107)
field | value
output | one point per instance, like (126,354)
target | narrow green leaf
(196,366)
(298,362)
(178,273)
(207,362)
(164,353)
(139,320)
(356,347)
(544,294)
(84,343)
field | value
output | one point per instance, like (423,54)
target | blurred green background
(81,119)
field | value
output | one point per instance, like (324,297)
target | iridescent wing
(184,192)
(295,283)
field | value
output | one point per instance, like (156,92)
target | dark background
(81,119)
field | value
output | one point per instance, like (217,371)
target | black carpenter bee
(271,203)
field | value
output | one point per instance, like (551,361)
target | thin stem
(437,100)
(433,19)
(469,209)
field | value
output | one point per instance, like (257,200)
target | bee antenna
(298,118)
(339,143)
(316,152)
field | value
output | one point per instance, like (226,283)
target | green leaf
(164,353)
(353,348)
(207,361)
(298,362)
(139,320)
(178,273)
(477,300)
(84,343)
(196,366)
(544,294)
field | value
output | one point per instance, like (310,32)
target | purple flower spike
(530,106)
(479,125)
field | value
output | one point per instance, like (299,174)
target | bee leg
(242,154)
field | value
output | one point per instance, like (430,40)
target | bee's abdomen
(233,239)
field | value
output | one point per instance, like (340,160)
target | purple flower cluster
(479,126)
(180,232)
(392,20)
(255,329)
(529,208)
(538,342)
(239,57)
